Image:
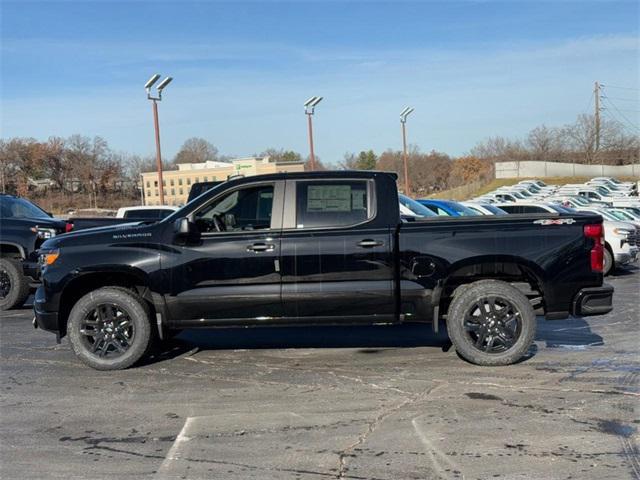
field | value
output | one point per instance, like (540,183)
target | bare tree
(196,150)
(544,144)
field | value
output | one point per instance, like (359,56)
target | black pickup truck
(24,226)
(319,248)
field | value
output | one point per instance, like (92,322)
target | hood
(122,232)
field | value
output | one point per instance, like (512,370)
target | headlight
(49,257)
(622,232)
(43,233)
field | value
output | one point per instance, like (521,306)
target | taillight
(596,232)
(68,227)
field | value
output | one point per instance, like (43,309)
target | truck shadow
(369,339)
(573,333)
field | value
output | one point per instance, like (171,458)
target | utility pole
(405,161)
(309,110)
(596,96)
(156,125)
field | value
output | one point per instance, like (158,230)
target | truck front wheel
(110,328)
(14,286)
(491,323)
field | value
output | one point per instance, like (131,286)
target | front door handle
(261,247)
(368,243)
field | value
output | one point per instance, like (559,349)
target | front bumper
(628,256)
(593,301)
(44,319)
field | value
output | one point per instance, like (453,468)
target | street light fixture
(403,120)
(309,109)
(155,99)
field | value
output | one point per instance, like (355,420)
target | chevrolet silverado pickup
(319,248)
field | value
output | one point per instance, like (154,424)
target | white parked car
(621,240)
(532,208)
(146,212)
(484,208)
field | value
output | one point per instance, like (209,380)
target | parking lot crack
(373,424)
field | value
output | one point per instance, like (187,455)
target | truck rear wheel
(110,328)
(491,323)
(14,286)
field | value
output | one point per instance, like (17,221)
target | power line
(621,88)
(624,99)
(622,115)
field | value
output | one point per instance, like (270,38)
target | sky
(242,71)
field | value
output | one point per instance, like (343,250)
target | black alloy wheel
(493,324)
(107,331)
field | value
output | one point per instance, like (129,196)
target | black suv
(23,228)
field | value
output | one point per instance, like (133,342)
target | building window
(164,192)
(156,192)
(173,191)
(148,192)
(180,181)
(171,182)
(206,179)
(188,180)
(155,183)
(148,183)
(164,183)
(181,193)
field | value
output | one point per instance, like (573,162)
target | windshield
(13,207)
(493,209)
(622,215)
(460,209)
(415,207)
(186,209)
(604,214)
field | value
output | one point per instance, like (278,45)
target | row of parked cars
(615,201)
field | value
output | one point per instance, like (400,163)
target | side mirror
(182,226)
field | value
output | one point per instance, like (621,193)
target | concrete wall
(538,169)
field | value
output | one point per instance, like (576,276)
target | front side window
(241,210)
(331,204)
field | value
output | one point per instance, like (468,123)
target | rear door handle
(368,243)
(261,247)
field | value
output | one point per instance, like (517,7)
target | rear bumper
(593,301)
(44,319)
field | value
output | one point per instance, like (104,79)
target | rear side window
(331,204)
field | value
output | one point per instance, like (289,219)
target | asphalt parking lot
(345,402)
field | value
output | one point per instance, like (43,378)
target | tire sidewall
(465,299)
(138,314)
(608,265)
(19,287)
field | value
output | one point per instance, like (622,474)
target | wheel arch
(130,279)
(520,272)
(12,250)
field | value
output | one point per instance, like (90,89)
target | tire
(609,264)
(110,328)
(501,341)
(14,286)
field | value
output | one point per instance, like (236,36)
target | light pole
(155,101)
(309,108)
(403,120)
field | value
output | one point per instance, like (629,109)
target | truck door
(232,274)
(337,261)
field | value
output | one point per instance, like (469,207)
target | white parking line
(174,451)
